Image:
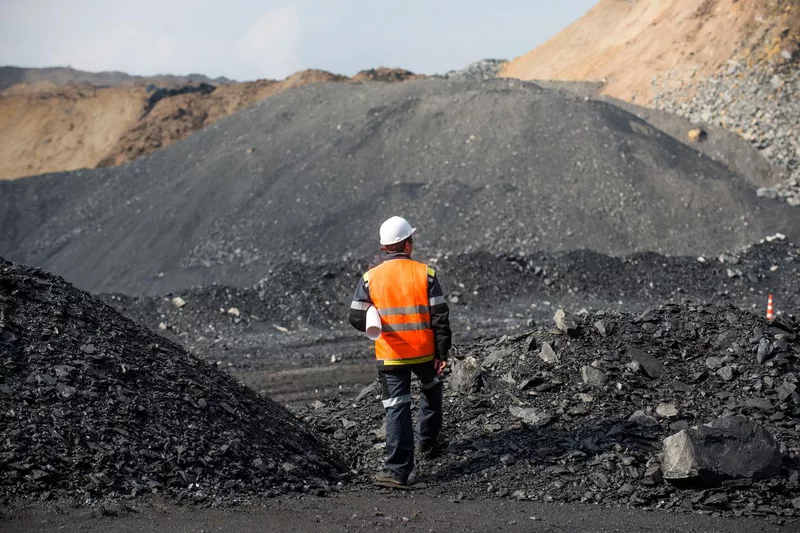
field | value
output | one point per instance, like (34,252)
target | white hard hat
(396,229)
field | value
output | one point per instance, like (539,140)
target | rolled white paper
(373,323)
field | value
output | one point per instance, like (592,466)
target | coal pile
(533,285)
(294,319)
(499,166)
(279,337)
(241,324)
(93,406)
(579,409)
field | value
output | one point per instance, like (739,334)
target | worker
(415,339)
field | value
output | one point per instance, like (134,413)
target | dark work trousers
(400,434)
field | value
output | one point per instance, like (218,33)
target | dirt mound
(323,163)
(318,296)
(627,44)
(181,115)
(47,127)
(587,425)
(93,405)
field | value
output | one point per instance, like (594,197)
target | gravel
(760,102)
(325,163)
(718,143)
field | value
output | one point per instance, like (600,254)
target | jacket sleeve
(440,316)
(360,304)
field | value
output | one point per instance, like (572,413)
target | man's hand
(438,366)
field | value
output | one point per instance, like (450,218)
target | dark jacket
(440,312)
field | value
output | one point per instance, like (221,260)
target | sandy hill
(49,126)
(628,43)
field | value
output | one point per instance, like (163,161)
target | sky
(251,39)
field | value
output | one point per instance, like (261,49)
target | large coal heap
(578,411)
(93,405)
(296,317)
(301,296)
(501,166)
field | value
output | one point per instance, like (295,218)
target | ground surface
(285,346)
(375,512)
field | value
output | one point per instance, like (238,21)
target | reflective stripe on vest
(399,290)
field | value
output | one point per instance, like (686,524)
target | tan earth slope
(46,127)
(627,43)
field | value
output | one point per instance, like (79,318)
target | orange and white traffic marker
(770,312)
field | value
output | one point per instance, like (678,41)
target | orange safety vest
(399,290)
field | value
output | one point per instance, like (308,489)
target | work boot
(391,482)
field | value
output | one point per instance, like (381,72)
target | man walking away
(415,338)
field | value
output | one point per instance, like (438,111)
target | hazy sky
(247,39)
